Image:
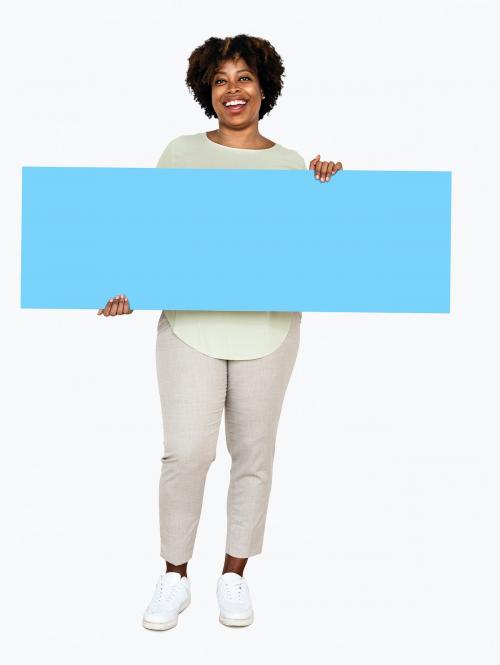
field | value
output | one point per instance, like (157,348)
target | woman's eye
(241,77)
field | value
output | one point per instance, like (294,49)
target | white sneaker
(171,596)
(234,599)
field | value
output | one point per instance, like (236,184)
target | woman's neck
(244,138)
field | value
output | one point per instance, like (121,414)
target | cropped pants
(194,389)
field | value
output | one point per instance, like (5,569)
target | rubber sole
(227,621)
(165,625)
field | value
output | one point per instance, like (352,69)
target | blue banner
(236,239)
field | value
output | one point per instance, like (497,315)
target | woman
(208,361)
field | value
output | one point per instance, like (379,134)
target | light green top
(230,335)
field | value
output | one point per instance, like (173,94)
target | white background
(382,536)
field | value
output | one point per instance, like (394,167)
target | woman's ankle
(233,564)
(177,568)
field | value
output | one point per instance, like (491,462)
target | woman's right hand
(117,305)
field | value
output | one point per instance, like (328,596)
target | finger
(126,305)
(114,306)
(129,311)
(330,170)
(338,167)
(107,309)
(320,169)
(324,171)
(313,162)
(120,305)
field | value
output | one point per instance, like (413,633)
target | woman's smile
(235,108)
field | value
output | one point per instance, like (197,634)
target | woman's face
(234,81)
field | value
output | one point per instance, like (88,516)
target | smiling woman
(208,361)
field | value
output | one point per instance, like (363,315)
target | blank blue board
(236,239)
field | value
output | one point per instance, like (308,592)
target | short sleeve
(299,162)
(302,162)
(167,159)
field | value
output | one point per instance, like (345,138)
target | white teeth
(235,102)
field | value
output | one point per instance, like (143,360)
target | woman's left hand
(324,170)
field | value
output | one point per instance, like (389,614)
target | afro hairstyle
(260,55)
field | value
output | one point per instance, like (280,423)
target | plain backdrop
(382,538)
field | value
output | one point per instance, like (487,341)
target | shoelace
(232,589)
(164,593)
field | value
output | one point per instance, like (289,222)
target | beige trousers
(194,389)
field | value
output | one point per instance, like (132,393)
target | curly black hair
(260,55)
